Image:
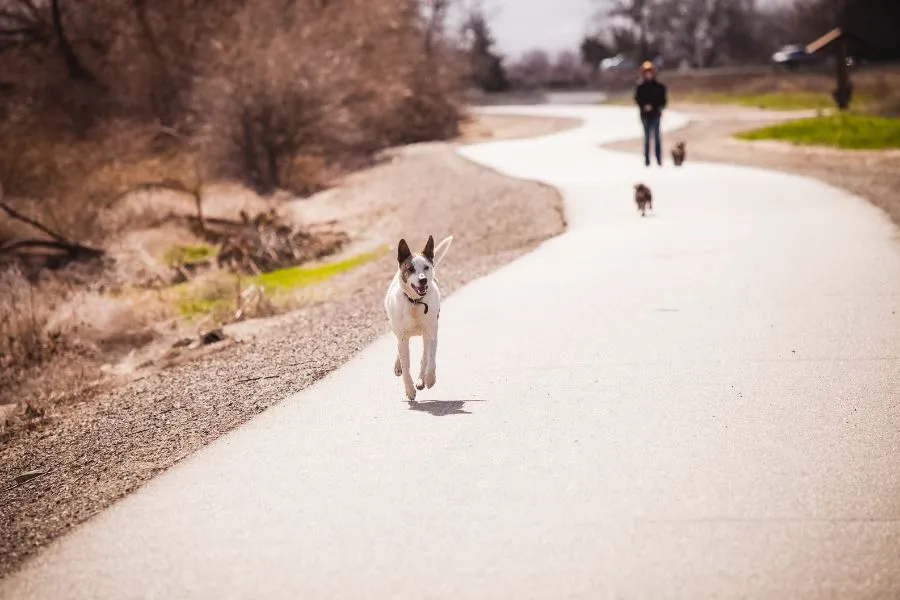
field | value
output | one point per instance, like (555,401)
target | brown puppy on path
(643,198)
(678,154)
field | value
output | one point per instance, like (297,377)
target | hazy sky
(554,25)
(522,25)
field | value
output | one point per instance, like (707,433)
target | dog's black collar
(418,301)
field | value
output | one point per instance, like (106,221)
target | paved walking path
(704,403)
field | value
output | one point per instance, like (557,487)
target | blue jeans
(651,126)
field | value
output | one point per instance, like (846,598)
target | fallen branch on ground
(74,250)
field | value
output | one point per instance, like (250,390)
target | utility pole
(844,92)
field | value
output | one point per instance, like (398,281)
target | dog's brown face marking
(406,269)
(405,258)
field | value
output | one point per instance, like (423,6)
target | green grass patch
(300,276)
(850,131)
(771,101)
(197,307)
(217,295)
(188,253)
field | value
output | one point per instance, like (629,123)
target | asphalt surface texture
(701,403)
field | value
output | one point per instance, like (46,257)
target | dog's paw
(411,393)
(420,384)
(430,379)
(398,370)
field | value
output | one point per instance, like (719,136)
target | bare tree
(486,65)
(593,51)
(248,89)
(532,70)
(435,20)
(637,14)
(74,65)
(536,69)
(567,70)
(701,33)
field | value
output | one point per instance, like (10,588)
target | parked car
(793,56)
(618,63)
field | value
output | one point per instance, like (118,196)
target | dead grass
(33,337)
(59,330)
(24,307)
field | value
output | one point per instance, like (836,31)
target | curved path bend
(704,403)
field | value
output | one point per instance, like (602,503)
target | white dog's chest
(412,318)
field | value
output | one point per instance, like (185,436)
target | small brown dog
(643,198)
(678,154)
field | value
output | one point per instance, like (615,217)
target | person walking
(650,96)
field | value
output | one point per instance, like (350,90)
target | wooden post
(844,92)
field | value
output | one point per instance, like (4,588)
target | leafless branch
(20,217)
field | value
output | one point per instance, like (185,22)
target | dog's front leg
(429,356)
(403,354)
(423,365)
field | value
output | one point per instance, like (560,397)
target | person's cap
(646,66)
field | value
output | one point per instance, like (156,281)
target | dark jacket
(653,93)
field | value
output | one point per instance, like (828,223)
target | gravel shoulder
(873,175)
(75,462)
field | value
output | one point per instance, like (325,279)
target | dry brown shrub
(25,342)
(56,331)
(260,83)
(70,184)
(330,80)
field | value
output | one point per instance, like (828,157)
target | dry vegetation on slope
(119,120)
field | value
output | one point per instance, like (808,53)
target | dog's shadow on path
(441,408)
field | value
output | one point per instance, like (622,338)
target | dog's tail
(441,249)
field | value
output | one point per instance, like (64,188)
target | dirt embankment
(874,175)
(82,454)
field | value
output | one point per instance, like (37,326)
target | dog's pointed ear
(403,252)
(428,252)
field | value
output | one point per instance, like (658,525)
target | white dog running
(413,305)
